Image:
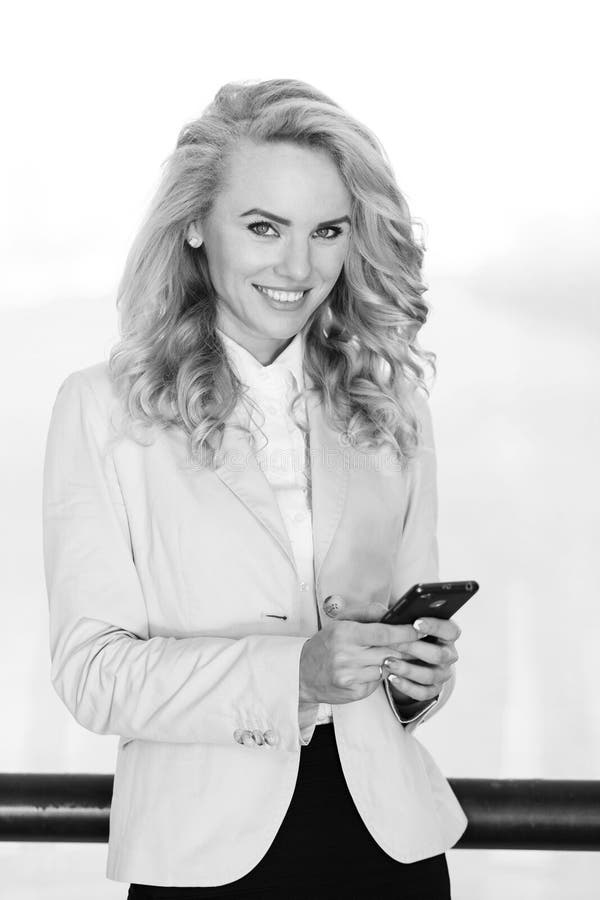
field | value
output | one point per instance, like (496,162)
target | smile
(281,296)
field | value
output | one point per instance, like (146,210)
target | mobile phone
(439,600)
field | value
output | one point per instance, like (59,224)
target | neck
(264,350)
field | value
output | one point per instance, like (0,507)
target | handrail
(516,814)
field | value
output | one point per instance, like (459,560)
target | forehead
(293,181)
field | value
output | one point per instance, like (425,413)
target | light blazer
(163,582)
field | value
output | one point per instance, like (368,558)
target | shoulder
(92,382)
(86,398)
(95,378)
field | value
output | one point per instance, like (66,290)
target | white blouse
(283,457)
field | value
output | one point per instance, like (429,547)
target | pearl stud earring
(194,241)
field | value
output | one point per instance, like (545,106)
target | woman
(230,505)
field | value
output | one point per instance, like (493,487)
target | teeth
(284,296)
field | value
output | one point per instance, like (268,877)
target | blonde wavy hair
(361,351)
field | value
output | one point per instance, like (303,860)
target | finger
(434,654)
(373,664)
(377,656)
(419,674)
(362,675)
(414,690)
(391,637)
(375,634)
(442,629)
(338,607)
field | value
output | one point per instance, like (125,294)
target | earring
(194,241)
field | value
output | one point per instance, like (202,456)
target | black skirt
(322,849)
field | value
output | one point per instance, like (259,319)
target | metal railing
(521,814)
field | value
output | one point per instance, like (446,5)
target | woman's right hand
(340,663)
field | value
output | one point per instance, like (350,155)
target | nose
(295,261)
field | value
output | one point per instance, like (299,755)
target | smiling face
(275,240)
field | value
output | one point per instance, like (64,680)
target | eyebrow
(280,221)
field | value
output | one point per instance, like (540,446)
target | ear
(194,235)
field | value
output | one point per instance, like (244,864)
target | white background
(488,112)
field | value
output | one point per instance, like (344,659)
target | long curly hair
(170,367)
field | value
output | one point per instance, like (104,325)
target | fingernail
(390,660)
(419,624)
(394,679)
(396,665)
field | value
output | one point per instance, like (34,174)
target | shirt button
(299,517)
(271,409)
(303,586)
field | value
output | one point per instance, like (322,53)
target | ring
(381,672)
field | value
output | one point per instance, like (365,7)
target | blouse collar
(252,372)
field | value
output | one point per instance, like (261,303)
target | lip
(289,305)
(292,290)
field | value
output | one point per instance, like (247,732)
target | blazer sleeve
(417,559)
(111,674)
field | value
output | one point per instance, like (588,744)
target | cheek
(232,260)
(331,260)
(246,263)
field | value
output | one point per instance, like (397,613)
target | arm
(417,560)
(112,676)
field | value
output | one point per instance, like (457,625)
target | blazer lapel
(240,471)
(330,462)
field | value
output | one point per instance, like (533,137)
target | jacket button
(258,737)
(247,738)
(270,738)
(237,735)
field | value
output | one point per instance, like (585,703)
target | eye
(261,228)
(329,237)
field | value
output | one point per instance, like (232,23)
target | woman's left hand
(420,670)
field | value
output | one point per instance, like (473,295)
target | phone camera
(468,586)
